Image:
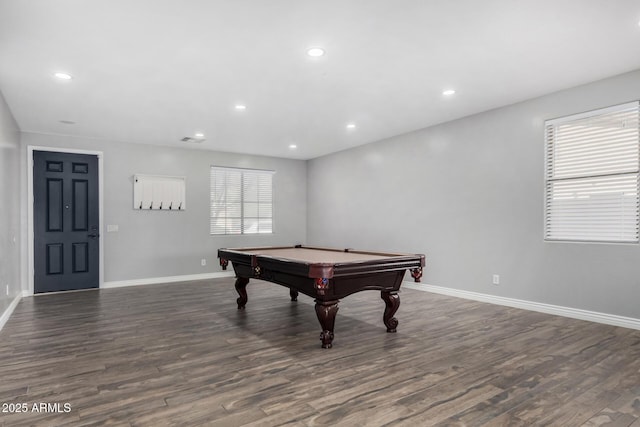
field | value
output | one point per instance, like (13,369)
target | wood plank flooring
(182,354)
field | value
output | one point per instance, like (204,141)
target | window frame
(242,201)
(550,150)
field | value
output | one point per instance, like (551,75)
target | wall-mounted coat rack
(158,192)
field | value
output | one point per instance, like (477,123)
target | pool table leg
(326,311)
(294,294)
(392,301)
(241,287)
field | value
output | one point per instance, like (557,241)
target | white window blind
(241,201)
(592,164)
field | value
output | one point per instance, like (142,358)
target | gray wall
(469,194)
(153,244)
(9,207)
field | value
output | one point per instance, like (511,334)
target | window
(241,201)
(592,163)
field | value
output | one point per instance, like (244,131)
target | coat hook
(140,205)
(160,205)
(151,205)
(180,207)
(170,205)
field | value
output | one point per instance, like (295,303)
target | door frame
(30,232)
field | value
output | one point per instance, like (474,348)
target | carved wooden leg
(392,301)
(241,287)
(326,311)
(294,294)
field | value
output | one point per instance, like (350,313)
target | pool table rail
(257,260)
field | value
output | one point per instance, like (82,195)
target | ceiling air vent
(190,139)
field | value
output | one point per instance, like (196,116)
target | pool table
(325,274)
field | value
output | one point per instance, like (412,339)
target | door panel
(65,206)
(54,204)
(54,258)
(81,206)
(80,257)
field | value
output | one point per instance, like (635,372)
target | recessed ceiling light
(241,107)
(62,76)
(190,139)
(351,126)
(315,52)
(199,135)
(448,92)
(293,146)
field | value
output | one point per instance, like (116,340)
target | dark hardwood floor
(182,354)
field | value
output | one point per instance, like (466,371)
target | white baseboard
(167,279)
(7,313)
(574,313)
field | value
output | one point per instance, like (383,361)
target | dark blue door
(66,220)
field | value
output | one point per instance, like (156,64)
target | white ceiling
(154,71)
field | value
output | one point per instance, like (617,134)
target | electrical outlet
(496,279)
(203,262)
